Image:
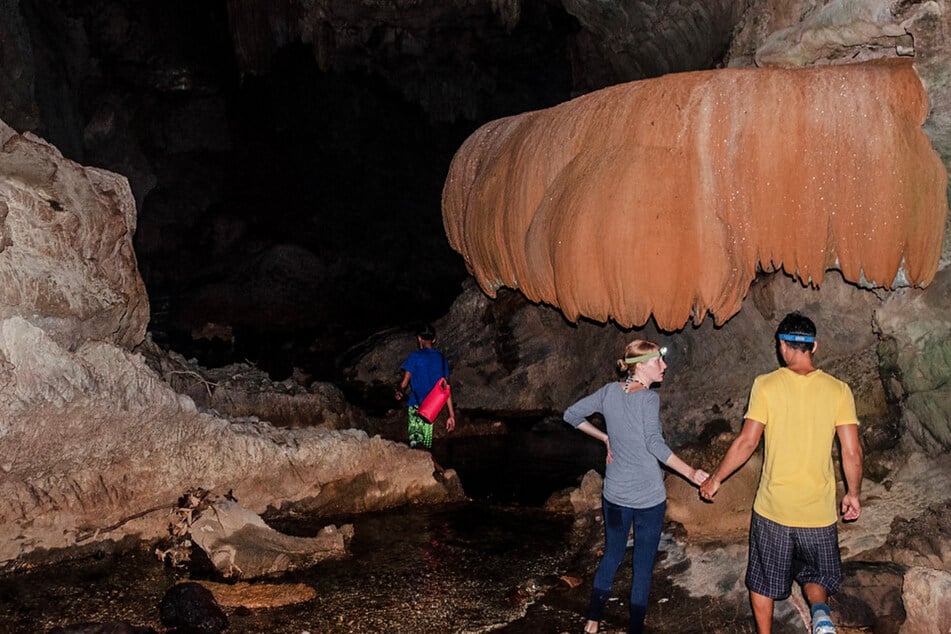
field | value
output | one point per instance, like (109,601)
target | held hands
(709,489)
(399,394)
(699,476)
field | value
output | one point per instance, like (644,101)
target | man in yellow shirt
(793,533)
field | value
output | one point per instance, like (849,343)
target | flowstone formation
(664,197)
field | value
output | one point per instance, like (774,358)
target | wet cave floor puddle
(416,569)
(490,564)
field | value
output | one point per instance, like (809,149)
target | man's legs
(818,597)
(820,572)
(763,606)
(762,612)
(769,570)
(815,593)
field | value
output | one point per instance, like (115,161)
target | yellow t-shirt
(800,414)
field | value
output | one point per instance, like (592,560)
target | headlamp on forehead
(797,338)
(660,352)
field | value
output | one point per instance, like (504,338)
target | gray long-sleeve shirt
(634,479)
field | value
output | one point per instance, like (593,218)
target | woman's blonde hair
(635,349)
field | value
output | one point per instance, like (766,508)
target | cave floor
(463,568)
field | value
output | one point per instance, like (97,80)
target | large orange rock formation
(665,196)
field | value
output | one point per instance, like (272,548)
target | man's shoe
(822,624)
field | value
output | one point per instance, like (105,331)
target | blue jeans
(648,524)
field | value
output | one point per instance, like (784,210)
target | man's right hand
(851,507)
(709,489)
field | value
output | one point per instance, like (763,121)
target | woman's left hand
(610,457)
(699,476)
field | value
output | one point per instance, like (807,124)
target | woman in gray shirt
(634,492)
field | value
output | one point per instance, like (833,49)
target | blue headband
(797,338)
(644,357)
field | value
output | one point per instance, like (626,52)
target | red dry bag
(434,401)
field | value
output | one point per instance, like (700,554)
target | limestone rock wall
(66,257)
(927,597)
(93,443)
(631,39)
(243,391)
(663,197)
(916,360)
(91,439)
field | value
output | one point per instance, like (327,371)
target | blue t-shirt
(425,367)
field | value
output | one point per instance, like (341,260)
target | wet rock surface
(464,568)
(108,627)
(243,391)
(242,546)
(190,607)
(259,595)
(464,576)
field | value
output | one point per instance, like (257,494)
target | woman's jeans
(617,525)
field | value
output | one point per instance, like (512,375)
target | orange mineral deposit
(665,196)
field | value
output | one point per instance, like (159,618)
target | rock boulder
(66,258)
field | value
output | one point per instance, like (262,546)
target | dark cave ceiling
(287,157)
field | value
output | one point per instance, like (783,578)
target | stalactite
(665,196)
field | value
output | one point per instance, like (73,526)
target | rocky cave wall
(95,444)
(464,44)
(239,240)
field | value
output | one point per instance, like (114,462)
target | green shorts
(420,430)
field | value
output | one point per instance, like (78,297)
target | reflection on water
(523,466)
(450,569)
(462,568)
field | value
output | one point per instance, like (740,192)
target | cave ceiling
(452,56)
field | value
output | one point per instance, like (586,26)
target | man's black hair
(426,332)
(800,325)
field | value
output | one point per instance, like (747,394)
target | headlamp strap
(797,338)
(644,357)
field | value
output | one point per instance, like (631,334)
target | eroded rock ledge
(93,437)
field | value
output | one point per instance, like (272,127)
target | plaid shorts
(779,554)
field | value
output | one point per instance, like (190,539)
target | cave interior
(287,168)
